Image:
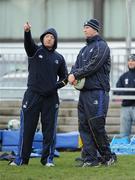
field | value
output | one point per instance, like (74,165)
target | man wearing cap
(93,65)
(47,73)
(127,116)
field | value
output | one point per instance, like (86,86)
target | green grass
(65,170)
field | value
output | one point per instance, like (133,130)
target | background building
(67,16)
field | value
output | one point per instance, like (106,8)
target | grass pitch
(65,169)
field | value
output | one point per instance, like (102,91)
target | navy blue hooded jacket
(47,68)
(93,63)
(127,80)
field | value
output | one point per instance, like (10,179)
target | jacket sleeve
(120,84)
(63,75)
(99,56)
(77,63)
(29,44)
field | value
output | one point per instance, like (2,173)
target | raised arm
(29,44)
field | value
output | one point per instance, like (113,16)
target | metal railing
(66,93)
(13,70)
(116,96)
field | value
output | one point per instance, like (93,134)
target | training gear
(12,164)
(93,23)
(110,162)
(131,57)
(13,124)
(91,164)
(92,124)
(80,84)
(94,63)
(50,165)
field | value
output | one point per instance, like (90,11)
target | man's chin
(48,46)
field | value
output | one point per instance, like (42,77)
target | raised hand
(27,27)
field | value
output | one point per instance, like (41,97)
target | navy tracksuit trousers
(92,110)
(33,106)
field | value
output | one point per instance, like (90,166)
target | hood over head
(54,33)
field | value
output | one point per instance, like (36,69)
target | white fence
(13,69)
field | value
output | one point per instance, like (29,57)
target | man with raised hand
(47,72)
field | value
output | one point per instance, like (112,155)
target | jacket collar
(94,38)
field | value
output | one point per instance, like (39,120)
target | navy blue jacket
(47,68)
(127,80)
(93,63)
